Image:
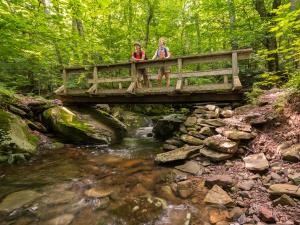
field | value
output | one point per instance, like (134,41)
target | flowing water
(92,185)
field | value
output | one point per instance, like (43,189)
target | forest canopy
(38,37)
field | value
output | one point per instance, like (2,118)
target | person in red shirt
(139,55)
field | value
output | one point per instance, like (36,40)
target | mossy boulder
(15,136)
(71,127)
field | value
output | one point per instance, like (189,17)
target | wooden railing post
(94,87)
(180,81)
(65,80)
(235,72)
(134,78)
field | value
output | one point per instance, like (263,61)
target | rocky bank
(242,163)
(30,124)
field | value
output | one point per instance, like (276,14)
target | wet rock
(65,219)
(221,144)
(295,178)
(280,189)
(214,155)
(15,136)
(175,215)
(256,162)
(218,216)
(206,131)
(217,196)
(177,154)
(72,128)
(224,181)
(165,127)
(185,189)
(192,167)
(18,199)
(55,198)
(190,121)
(191,140)
(246,185)
(101,203)
(167,193)
(266,215)
(284,200)
(292,153)
(98,192)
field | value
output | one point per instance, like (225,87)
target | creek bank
(248,158)
(30,124)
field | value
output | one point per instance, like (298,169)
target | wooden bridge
(121,82)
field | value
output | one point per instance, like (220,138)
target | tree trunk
(270,39)
(232,17)
(148,23)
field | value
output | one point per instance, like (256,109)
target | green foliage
(253,95)
(37,38)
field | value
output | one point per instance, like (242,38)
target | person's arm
(155,55)
(133,59)
(168,53)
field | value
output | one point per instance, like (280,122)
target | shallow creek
(94,185)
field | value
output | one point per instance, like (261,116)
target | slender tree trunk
(270,39)
(197,27)
(232,17)
(148,23)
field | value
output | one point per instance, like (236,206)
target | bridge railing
(230,74)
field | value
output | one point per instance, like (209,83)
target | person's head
(162,42)
(137,46)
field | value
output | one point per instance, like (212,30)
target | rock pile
(208,129)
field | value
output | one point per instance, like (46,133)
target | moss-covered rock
(15,137)
(74,129)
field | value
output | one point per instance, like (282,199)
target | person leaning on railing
(139,55)
(163,52)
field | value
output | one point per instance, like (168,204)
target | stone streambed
(92,185)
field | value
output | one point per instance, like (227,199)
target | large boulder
(165,127)
(71,127)
(15,136)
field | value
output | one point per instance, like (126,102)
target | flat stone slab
(256,162)
(221,144)
(217,196)
(233,134)
(191,140)
(289,189)
(18,199)
(192,167)
(214,155)
(177,154)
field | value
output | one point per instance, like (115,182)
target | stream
(93,185)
